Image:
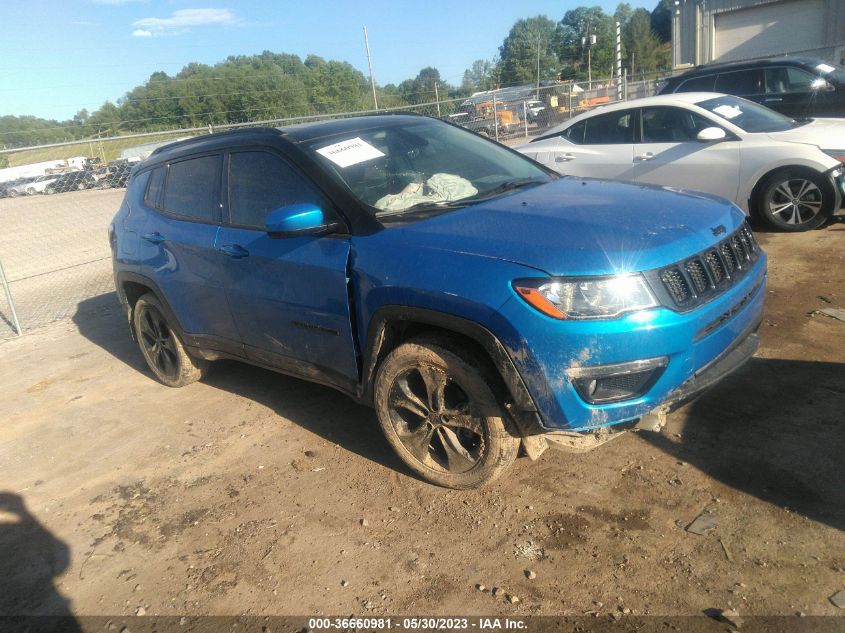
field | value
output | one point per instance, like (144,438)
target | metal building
(706,31)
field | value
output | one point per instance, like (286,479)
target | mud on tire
(161,346)
(441,417)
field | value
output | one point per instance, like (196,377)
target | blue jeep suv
(478,301)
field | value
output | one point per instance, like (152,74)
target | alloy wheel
(158,343)
(794,201)
(432,416)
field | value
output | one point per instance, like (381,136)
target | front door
(288,296)
(669,153)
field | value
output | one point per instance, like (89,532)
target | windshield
(406,167)
(748,116)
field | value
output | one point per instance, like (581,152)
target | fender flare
(384,316)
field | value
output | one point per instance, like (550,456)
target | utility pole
(370,66)
(588,40)
(538,64)
(618,62)
(437,99)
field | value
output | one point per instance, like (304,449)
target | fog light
(621,381)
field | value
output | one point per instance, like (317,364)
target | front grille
(698,279)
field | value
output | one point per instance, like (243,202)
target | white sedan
(789,173)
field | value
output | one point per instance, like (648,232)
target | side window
(698,84)
(609,129)
(672,125)
(154,188)
(576,132)
(788,79)
(191,189)
(260,182)
(740,82)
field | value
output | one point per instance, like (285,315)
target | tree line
(281,85)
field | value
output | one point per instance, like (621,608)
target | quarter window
(191,189)
(153,197)
(260,182)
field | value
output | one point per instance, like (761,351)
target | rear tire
(161,346)
(794,200)
(439,414)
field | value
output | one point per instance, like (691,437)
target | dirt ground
(253,493)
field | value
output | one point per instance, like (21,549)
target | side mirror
(822,85)
(298,220)
(711,134)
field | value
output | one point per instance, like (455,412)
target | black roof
(298,133)
(304,132)
(803,62)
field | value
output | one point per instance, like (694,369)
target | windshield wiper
(425,206)
(509,185)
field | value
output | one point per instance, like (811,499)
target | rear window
(740,82)
(610,129)
(192,188)
(698,84)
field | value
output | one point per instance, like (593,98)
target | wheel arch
(764,174)
(393,325)
(131,287)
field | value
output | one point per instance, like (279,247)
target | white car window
(671,125)
(613,128)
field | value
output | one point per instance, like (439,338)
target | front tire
(439,414)
(161,346)
(794,200)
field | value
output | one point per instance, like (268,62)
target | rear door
(599,147)
(746,83)
(289,296)
(668,153)
(177,247)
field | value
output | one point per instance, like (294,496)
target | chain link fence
(56,201)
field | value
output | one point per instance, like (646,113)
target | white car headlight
(587,298)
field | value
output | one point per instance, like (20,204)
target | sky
(61,56)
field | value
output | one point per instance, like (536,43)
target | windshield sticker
(350,152)
(728,111)
(825,68)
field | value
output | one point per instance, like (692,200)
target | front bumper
(694,344)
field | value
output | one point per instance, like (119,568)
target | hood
(825,133)
(575,226)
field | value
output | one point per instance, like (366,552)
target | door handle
(565,158)
(235,251)
(772,100)
(646,156)
(153,238)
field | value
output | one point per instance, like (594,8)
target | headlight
(587,298)
(838,154)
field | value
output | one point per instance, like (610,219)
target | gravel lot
(259,494)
